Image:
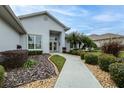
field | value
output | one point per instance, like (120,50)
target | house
(36,31)
(101,39)
(11,29)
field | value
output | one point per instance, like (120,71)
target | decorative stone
(102,76)
(18,76)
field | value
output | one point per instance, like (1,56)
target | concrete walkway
(75,74)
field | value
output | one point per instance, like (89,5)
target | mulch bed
(45,83)
(20,76)
(102,76)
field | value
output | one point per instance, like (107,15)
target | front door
(53,46)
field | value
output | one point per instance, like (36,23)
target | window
(34,41)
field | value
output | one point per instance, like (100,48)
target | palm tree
(88,43)
(73,38)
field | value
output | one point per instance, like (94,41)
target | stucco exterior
(42,25)
(9,38)
(32,31)
(101,39)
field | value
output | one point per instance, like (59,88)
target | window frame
(34,36)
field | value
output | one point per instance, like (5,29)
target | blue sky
(88,19)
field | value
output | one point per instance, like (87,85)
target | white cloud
(62,12)
(107,17)
(68,11)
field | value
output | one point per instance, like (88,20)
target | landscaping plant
(2,71)
(36,52)
(14,58)
(30,63)
(82,55)
(117,73)
(112,47)
(91,58)
(105,60)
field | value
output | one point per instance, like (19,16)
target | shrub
(117,73)
(105,60)
(73,52)
(91,58)
(14,58)
(112,47)
(82,55)
(2,71)
(29,64)
(36,52)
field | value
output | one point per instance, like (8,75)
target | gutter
(8,9)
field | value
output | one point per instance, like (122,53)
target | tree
(88,43)
(79,38)
(73,38)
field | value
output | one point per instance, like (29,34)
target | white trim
(34,35)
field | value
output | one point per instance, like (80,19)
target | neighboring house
(101,39)
(36,31)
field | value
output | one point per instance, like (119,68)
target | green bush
(105,60)
(91,58)
(36,52)
(117,73)
(82,55)
(30,64)
(2,71)
(73,52)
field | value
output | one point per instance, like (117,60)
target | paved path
(75,74)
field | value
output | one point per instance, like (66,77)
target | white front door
(53,46)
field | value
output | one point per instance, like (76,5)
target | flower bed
(20,76)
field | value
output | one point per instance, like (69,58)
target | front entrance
(53,46)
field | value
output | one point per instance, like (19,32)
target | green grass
(58,61)
(121,55)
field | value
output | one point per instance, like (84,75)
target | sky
(87,19)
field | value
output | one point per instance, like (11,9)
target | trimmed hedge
(91,58)
(75,52)
(2,71)
(105,60)
(14,58)
(36,52)
(117,73)
(82,55)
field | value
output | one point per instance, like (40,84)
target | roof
(96,37)
(8,16)
(43,13)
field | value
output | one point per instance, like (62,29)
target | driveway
(75,74)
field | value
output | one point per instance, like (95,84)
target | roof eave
(22,30)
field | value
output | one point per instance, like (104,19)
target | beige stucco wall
(99,43)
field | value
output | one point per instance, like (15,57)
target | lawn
(58,61)
(121,55)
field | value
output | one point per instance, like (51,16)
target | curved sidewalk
(75,74)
